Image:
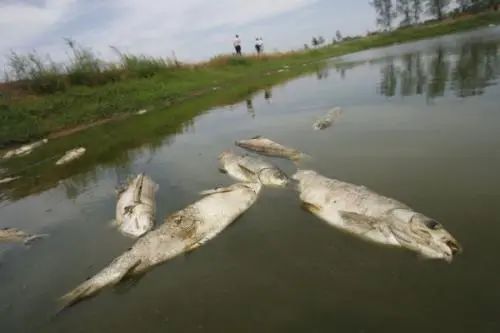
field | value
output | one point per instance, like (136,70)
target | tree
(338,35)
(403,7)
(464,4)
(385,12)
(416,10)
(437,8)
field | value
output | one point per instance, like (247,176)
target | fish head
(426,236)
(273,177)
(225,155)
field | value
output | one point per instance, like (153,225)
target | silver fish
(135,209)
(71,155)
(7,180)
(270,148)
(252,169)
(328,119)
(16,235)
(24,150)
(374,217)
(181,232)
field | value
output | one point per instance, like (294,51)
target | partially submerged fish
(16,235)
(270,148)
(24,150)
(71,155)
(252,169)
(181,232)
(374,217)
(135,209)
(7,180)
(328,119)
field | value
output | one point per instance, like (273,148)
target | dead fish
(252,169)
(374,217)
(16,235)
(270,148)
(141,112)
(7,180)
(135,209)
(71,155)
(181,232)
(328,119)
(24,150)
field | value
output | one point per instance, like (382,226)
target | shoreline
(33,117)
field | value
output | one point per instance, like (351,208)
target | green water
(421,124)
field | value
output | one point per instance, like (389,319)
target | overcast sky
(194,29)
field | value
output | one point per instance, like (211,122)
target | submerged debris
(71,155)
(16,235)
(7,180)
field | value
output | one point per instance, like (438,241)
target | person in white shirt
(237,45)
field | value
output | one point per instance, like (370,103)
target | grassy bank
(26,116)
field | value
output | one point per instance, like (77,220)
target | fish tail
(109,276)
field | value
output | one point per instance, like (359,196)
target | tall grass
(33,73)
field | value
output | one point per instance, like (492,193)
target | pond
(420,123)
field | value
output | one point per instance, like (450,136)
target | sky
(193,29)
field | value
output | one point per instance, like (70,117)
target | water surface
(421,124)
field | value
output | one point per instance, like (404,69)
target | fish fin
(257,137)
(363,222)
(310,207)
(215,190)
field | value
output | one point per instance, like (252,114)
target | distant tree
(321,40)
(338,35)
(314,42)
(464,4)
(437,8)
(403,8)
(385,12)
(416,10)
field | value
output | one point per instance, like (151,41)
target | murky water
(421,124)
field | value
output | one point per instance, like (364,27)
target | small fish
(270,148)
(135,209)
(141,112)
(71,155)
(7,180)
(328,119)
(251,169)
(373,217)
(16,235)
(181,232)
(24,150)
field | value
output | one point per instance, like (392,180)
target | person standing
(237,45)
(261,45)
(257,45)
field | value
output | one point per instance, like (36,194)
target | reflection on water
(278,268)
(466,72)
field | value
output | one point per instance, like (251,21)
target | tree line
(410,12)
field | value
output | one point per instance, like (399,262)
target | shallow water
(421,124)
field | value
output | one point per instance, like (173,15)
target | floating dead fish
(181,232)
(141,112)
(328,119)
(24,150)
(374,217)
(270,148)
(252,169)
(16,235)
(7,180)
(135,210)
(71,155)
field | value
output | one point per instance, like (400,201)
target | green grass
(83,97)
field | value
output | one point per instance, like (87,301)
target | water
(421,123)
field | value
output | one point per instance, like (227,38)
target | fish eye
(432,224)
